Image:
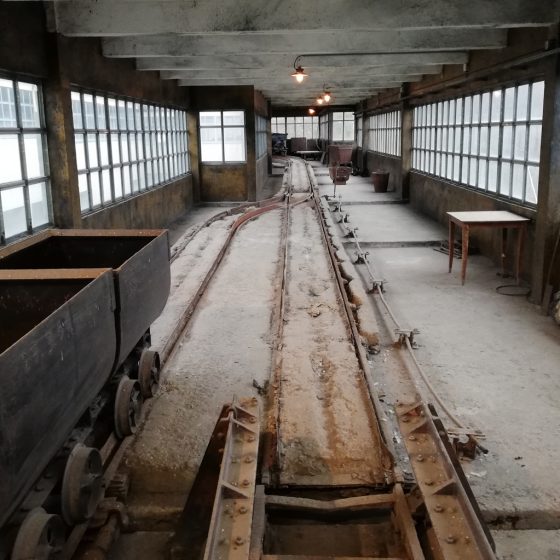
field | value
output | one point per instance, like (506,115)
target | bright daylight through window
(222,136)
(489,141)
(24,174)
(124,147)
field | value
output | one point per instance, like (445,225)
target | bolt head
(245,483)
(438,508)
(239,540)
(450,539)
(420,458)
(243,509)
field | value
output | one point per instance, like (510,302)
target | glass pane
(83,188)
(29,105)
(135,185)
(234,144)
(112,106)
(142,176)
(100,112)
(537,100)
(474,140)
(106,180)
(496,106)
(124,148)
(534,142)
(520,139)
(126,179)
(210,118)
(468,110)
(532,185)
(522,102)
(39,205)
(80,151)
(348,130)
(494,140)
(505,178)
(95,188)
(7,105)
(337,131)
(507,138)
(122,114)
(485,108)
(140,146)
(132,144)
(211,144)
(459,111)
(10,166)
(472,171)
(464,170)
(13,211)
(138,116)
(483,141)
(299,130)
(117,181)
(481,174)
(76,110)
(130,115)
(34,155)
(92,151)
(115,153)
(517,188)
(509,99)
(104,149)
(476,109)
(89,115)
(492,176)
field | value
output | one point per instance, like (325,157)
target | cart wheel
(128,407)
(149,368)
(40,537)
(82,484)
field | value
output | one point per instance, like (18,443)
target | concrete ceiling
(352,47)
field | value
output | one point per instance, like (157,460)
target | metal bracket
(351,232)
(361,258)
(377,286)
(465,441)
(404,334)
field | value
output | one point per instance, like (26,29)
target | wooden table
(310,153)
(497,219)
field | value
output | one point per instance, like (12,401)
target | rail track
(330,469)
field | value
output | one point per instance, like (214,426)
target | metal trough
(139,259)
(57,348)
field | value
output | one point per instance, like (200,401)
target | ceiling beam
(129,17)
(390,81)
(323,73)
(308,61)
(334,42)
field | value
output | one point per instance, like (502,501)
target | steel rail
(458,531)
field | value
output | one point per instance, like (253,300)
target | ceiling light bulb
(311,111)
(319,101)
(326,96)
(299,78)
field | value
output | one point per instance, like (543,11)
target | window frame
(222,127)
(25,182)
(384,132)
(480,171)
(261,136)
(344,120)
(289,121)
(160,132)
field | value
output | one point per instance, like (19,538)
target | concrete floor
(493,358)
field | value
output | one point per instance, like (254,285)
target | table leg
(504,249)
(520,238)
(464,252)
(451,242)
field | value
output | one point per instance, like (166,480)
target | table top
(486,217)
(309,152)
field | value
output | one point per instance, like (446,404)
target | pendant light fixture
(299,73)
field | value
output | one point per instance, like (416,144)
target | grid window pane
(222,137)
(497,139)
(13,211)
(115,163)
(10,165)
(38,204)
